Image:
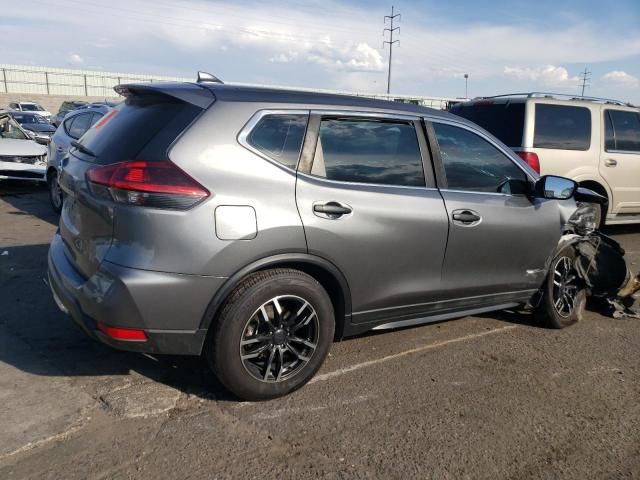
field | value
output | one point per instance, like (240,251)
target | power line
(390,42)
(585,79)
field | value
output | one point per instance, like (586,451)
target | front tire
(272,335)
(564,296)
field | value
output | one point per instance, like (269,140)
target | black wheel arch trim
(283,260)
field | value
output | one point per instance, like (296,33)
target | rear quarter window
(279,137)
(562,127)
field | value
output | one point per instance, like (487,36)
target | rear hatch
(123,158)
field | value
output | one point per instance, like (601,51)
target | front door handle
(331,210)
(466,217)
(610,162)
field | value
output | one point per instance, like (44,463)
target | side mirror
(555,188)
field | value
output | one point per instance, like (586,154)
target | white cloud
(621,78)
(75,58)
(547,75)
(332,43)
(350,57)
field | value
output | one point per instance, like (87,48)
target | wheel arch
(325,272)
(50,170)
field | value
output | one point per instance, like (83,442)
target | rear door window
(504,121)
(369,151)
(562,127)
(622,131)
(279,137)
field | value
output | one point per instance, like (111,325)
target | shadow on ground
(28,198)
(59,348)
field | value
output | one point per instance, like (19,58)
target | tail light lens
(151,184)
(127,334)
(531,158)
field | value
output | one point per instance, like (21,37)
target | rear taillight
(531,158)
(151,184)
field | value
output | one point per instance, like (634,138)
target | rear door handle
(610,162)
(331,210)
(466,217)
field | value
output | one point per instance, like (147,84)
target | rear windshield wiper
(82,148)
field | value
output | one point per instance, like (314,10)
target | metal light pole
(466,85)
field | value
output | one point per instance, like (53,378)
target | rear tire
(272,334)
(55,193)
(564,296)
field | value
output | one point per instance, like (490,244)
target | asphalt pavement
(492,396)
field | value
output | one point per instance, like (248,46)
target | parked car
(75,124)
(30,107)
(254,225)
(591,140)
(37,126)
(20,157)
(66,107)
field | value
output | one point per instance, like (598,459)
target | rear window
(504,121)
(622,131)
(78,125)
(562,127)
(141,128)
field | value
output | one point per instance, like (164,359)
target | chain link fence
(21,79)
(58,81)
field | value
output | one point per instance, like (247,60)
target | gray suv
(254,226)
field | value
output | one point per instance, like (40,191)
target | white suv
(594,141)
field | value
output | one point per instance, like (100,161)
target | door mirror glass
(557,188)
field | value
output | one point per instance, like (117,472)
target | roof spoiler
(187,92)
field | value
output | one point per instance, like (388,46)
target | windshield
(25,119)
(10,129)
(31,107)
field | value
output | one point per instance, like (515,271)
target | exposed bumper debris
(602,267)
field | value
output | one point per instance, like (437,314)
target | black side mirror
(555,188)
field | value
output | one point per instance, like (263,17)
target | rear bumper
(168,307)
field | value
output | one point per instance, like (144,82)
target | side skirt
(442,316)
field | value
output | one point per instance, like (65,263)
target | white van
(594,141)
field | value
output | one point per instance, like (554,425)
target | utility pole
(466,85)
(391,41)
(585,79)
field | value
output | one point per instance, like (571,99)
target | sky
(504,47)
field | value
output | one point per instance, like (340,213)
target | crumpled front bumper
(23,171)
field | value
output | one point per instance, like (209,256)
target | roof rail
(204,77)
(562,95)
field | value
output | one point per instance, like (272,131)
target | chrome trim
(626,152)
(243,135)
(372,114)
(473,192)
(338,183)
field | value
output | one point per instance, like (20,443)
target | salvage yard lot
(492,396)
